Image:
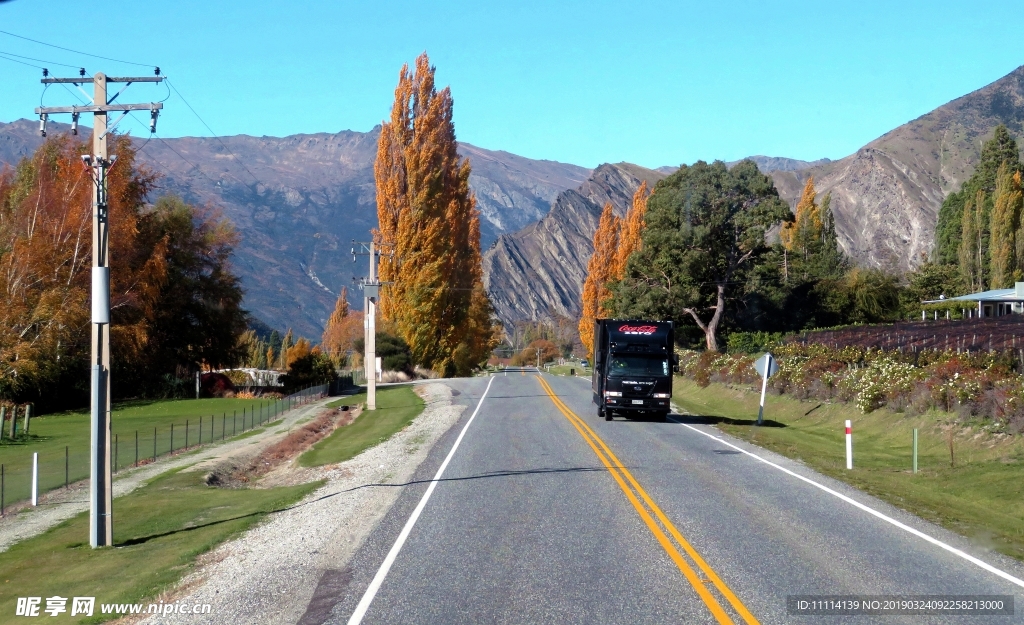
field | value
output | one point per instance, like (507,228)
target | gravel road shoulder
(269,574)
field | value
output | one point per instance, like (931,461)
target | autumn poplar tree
(802,237)
(1006,218)
(972,234)
(599,271)
(631,230)
(435,297)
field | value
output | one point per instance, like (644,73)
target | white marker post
(767,367)
(849,445)
(35,478)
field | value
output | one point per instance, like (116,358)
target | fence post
(14,422)
(65,467)
(212,420)
(136,448)
(28,407)
(223,423)
(200,431)
(115,453)
(35,478)
(154,444)
(915,450)
(2,476)
(172,440)
(186,434)
(234,422)
(3,417)
(849,445)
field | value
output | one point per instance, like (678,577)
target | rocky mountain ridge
(886,196)
(298,201)
(538,272)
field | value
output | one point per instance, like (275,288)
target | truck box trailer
(633,365)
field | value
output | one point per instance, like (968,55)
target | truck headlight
(662,395)
(613,394)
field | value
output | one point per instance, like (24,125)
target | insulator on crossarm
(74,123)
(152,120)
(42,125)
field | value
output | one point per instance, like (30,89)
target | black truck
(633,365)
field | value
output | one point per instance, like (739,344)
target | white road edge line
(382,572)
(869,510)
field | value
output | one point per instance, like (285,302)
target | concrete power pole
(371,293)
(101,520)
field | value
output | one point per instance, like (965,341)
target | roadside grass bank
(978,494)
(567,368)
(54,435)
(159,531)
(397,406)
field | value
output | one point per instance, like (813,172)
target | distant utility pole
(371,293)
(101,520)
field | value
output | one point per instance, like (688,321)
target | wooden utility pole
(101,520)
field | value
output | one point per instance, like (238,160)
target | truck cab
(633,365)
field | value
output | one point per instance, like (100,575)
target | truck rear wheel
(607,415)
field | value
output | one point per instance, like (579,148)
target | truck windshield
(622,365)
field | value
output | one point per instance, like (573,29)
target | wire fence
(62,468)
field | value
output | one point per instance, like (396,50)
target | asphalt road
(547,514)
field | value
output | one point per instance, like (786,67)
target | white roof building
(994,303)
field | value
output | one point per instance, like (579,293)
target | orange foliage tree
(45,260)
(174,303)
(343,328)
(428,217)
(632,229)
(599,272)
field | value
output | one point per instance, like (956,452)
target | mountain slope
(538,272)
(886,197)
(298,201)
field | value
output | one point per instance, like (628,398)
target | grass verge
(978,495)
(150,421)
(397,406)
(159,530)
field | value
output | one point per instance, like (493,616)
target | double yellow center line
(649,511)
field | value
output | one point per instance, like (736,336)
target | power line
(96,56)
(6,58)
(240,162)
(21,56)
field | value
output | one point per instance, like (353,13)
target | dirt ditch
(246,471)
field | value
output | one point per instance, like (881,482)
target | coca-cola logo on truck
(628,329)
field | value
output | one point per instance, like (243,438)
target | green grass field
(980,496)
(50,434)
(159,530)
(397,406)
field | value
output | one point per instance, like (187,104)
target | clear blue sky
(652,83)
